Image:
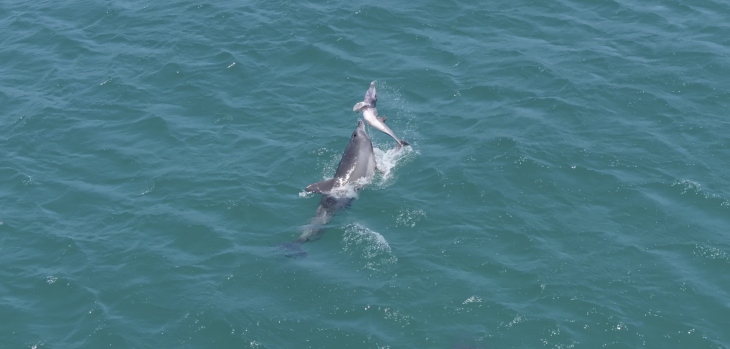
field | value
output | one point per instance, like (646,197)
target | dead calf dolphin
(370,113)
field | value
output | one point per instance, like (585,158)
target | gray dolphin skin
(357,167)
(370,113)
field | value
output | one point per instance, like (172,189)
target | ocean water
(568,183)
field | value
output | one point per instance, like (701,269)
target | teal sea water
(568,184)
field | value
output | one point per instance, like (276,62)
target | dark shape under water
(356,169)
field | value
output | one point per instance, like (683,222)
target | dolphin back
(358,162)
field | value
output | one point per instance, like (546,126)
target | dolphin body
(370,113)
(357,167)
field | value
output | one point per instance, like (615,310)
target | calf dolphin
(370,113)
(357,167)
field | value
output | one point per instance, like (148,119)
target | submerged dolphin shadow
(356,169)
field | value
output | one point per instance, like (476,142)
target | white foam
(387,161)
(370,246)
(472,299)
(349,190)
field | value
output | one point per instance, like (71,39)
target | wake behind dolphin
(356,169)
(370,113)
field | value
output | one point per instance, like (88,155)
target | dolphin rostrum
(357,167)
(370,113)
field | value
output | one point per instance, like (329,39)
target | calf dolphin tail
(401,144)
(371,96)
(371,99)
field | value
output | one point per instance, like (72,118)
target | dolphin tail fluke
(292,249)
(401,143)
(371,97)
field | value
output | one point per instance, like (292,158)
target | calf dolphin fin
(382,118)
(321,187)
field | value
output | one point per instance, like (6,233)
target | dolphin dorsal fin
(382,118)
(321,187)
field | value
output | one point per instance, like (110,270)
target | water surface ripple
(568,184)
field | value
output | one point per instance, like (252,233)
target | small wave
(409,217)
(371,247)
(709,252)
(149,189)
(475,302)
(472,299)
(517,319)
(689,186)
(28,180)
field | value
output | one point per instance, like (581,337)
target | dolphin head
(360,135)
(360,130)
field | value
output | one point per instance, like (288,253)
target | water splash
(370,246)
(387,161)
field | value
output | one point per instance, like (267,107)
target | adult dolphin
(370,113)
(357,167)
